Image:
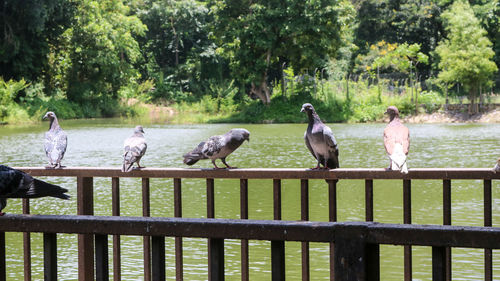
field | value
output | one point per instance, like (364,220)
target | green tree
(466,55)
(103,51)
(258,37)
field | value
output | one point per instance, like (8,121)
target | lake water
(99,143)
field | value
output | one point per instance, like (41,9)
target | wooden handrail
(371,232)
(268,173)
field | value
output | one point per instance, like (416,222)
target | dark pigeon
(320,140)
(396,141)
(18,184)
(134,147)
(218,147)
(56,141)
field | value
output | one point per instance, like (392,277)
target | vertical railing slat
(50,257)
(27,244)
(369,200)
(277,247)
(115,211)
(158,258)
(146,212)
(245,274)
(304,215)
(3,265)
(488,255)
(101,257)
(85,206)
(332,216)
(447,221)
(179,265)
(407,220)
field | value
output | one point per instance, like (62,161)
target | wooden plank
(146,240)
(407,220)
(447,221)
(488,255)
(50,257)
(245,272)
(179,267)
(332,216)
(268,173)
(278,261)
(350,259)
(369,200)
(438,263)
(216,260)
(115,211)
(277,199)
(26,244)
(304,216)
(158,258)
(3,265)
(101,257)
(85,206)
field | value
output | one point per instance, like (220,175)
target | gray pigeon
(134,148)
(18,184)
(320,140)
(218,147)
(56,141)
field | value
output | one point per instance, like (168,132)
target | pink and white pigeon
(396,141)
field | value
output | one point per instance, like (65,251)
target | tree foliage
(466,55)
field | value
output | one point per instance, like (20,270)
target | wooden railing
(85,177)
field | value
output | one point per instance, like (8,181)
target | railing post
(407,220)
(355,260)
(158,258)
(438,263)
(245,275)
(50,257)
(85,206)
(304,211)
(277,247)
(216,260)
(101,257)
(369,200)
(146,239)
(178,240)
(447,221)
(115,211)
(488,255)
(332,216)
(27,244)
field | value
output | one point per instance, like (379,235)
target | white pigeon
(134,148)
(56,141)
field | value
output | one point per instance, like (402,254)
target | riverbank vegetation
(233,61)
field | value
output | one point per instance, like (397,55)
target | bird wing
(136,146)
(9,181)
(330,140)
(308,144)
(55,145)
(213,146)
(396,134)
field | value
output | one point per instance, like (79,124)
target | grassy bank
(335,101)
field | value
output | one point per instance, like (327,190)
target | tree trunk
(261,91)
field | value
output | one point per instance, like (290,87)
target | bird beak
(44,117)
(302,110)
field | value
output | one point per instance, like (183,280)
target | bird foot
(316,168)
(49,167)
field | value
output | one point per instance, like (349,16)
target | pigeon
(17,184)
(218,147)
(134,148)
(497,166)
(396,141)
(320,140)
(56,141)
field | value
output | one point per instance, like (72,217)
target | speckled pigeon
(396,141)
(218,147)
(134,148)
(320,140)
(497,166)
(56,141)
(18,184)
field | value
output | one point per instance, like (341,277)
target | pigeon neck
(394,118)
(54,124)
(313,116)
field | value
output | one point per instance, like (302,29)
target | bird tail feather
(41,189)
(127,166)
(398,159)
